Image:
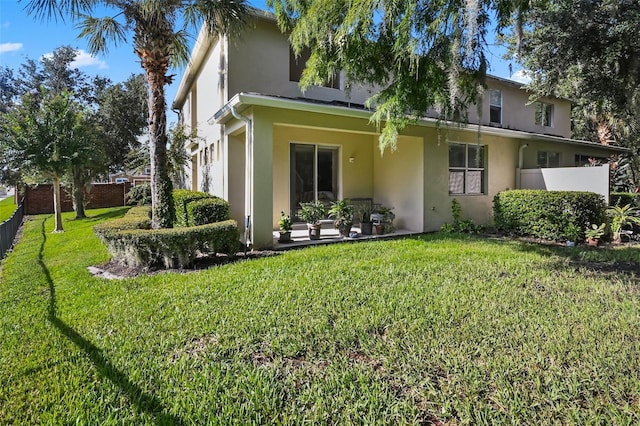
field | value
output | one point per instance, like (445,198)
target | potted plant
(621,216)
(594,233)
(285,228)
(366,225)
(312,213)
(572,233)
(387,217)
(383,219)
(341,212)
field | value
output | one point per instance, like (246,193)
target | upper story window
(467,168)
(548,159)
(495,106)
(297,65)
(544,114)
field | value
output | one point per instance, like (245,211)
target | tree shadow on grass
(143,401)
(605,260)
(110,214)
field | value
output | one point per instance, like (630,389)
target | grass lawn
(434,329)
(7,207)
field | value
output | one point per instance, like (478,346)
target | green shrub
(623,198)
(139,195)
(207,210)
(546,214)
(181,199)
(459,225)
(171,247)
(135,218)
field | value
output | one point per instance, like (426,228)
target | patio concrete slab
(300,237)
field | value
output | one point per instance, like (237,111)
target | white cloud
(84,59)
(521,76)
(10,47)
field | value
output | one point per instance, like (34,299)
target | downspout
(248,173)
(520,164)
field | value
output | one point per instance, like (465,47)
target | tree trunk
(78,192)
(57,205)
(161,186)
(153,33)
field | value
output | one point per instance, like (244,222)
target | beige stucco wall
(502,155)
(354,179)
(518,112)
(399,181)
(259,62)
(567,153)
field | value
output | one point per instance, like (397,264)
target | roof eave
(243,100)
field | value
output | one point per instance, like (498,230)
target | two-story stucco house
(265,146)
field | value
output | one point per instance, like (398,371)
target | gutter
(520,164)
(230,108)
(197,58)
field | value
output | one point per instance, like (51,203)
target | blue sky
(23,36)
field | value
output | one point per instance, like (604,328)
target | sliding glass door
(314,175)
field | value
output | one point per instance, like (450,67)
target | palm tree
(160,31)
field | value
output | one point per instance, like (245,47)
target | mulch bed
(116,270)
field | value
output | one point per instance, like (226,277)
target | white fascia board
(243,100)
(199,54)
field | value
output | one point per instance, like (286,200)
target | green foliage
(546,214)
(459,225)
(313,212)
(139,195)
(181,199)
(391,330)
(588,52)
(573,232)
(132,242)
(171,247)
(49,136)
(161,31)
(207,210)
(135,218)
(596,231)
(624,198)
(285,222)
(122,119)
(622,176)
(621,216)
(423,56)
(341,212)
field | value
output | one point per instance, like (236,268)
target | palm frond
(180,48)
(223,16)
(100,32)
(47,10)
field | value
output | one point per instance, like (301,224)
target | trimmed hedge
(207,210)
(183,197)
(139,195)
(135,218)
(621,199)
(546,214)
(130,240)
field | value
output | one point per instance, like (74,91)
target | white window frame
(492,105)
(542,110)
(469,168)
